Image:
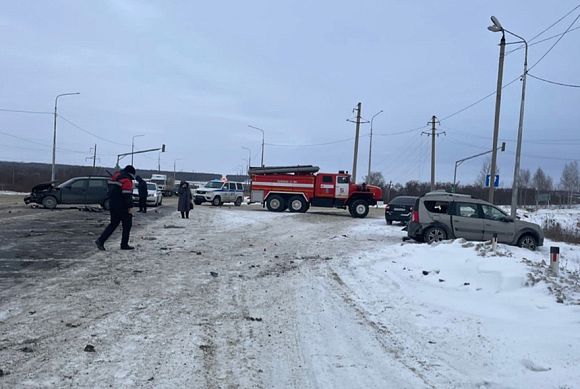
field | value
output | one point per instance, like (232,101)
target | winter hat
(129,169)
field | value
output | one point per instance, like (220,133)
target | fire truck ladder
(284,169)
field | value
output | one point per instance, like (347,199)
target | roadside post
(494,242)
(555,260)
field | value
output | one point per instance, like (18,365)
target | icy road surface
(244,298)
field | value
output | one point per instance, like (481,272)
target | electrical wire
(555,43)
(314,144)
(89,132)
(554,82)
(25,111)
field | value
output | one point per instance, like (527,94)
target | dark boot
(127,247)
(100,245)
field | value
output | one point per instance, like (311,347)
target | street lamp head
(496,26)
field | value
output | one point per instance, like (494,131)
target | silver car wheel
(435,234)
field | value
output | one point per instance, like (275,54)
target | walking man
(121,207)
(142,187)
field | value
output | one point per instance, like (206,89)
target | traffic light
(502,146)
(163,148)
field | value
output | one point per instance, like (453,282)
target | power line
(554,82)
(542,41)
(25,111)
(518,77)
(313,144)
(89,132)
(555,43)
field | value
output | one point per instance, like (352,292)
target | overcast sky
(194,75)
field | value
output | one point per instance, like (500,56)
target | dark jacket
(142,187)
(121,191)
(183,204)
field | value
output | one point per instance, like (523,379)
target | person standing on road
(142,187)
(184,204)
(121,207)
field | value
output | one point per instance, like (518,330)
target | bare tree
(541,181)
(524,178)
(570,179)
(484,172)
(376,178)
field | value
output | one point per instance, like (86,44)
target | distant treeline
(21,177)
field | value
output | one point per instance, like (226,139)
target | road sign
(495,182)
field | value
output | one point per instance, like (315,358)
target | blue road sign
(495,182)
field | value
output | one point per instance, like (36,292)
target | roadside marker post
(555,260)
(494,242)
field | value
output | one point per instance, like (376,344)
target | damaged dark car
(78,190)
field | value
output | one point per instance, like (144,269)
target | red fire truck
(296,188)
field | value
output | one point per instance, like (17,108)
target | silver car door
(467,221)
(497,222)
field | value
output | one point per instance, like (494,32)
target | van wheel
(359,208)
(275,203)
(297,204)
(238,202)
(216,201)
(106,204)
(49,202)
(434,234)
(528,241)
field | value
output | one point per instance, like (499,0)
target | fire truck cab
(296,188)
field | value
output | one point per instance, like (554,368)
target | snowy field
(240,297)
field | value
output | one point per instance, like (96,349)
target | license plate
(399,209)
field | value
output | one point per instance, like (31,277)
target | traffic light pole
(120,156)
(459,162)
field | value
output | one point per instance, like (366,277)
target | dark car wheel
(216,201)
(106,205)
(196,202)
(238,202)
(434,234)
(275,203)
(49,202)
(528,241)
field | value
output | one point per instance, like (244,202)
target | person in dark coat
(184,204)
(142,187)
(121,207)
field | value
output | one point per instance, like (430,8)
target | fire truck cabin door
(341,188)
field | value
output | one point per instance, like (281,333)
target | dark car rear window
(437,206)
(410,201)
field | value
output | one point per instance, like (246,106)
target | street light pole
(259,129)
(371,146)
(53,171)
(496,27)
(249,156)
(174,161)
(133,146)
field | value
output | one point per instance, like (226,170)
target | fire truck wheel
(297,204)
(359,208)
(275,203)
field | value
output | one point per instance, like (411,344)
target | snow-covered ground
(240,297)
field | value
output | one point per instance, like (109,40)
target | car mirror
(507,219)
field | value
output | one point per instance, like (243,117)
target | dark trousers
(143,203)
(117,217)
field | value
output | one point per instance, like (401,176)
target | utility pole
(433,134)
(368,180)
(496,121)
(158,162)
(95,157)
(358,113)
